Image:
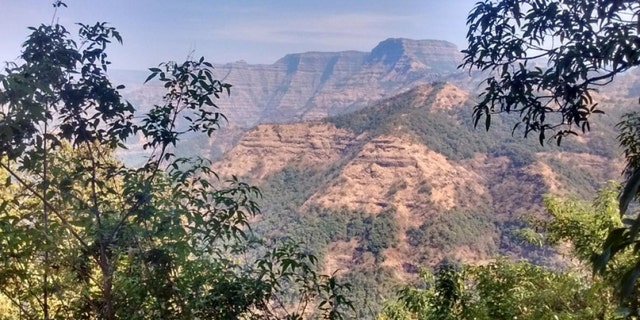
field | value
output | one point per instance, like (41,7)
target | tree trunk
(108,311)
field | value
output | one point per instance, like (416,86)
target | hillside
(407,182)
(310,85)
(386,174)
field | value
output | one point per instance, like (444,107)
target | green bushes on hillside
(375,232)
(504,289)
(452,229)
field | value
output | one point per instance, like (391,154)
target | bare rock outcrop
(269,148)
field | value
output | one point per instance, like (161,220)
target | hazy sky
(252,30)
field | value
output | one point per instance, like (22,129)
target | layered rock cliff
(313,85)
(308,86)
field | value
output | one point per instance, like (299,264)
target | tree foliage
(85,237)
(585,226)
(503,289)
(544,61)
(547,57)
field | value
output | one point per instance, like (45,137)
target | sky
(258,32)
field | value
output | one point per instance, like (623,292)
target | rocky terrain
(311,85)
(406,182)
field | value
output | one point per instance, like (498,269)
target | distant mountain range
(313,85)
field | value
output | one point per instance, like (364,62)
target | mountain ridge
(308,86)
(313,85)
(415,153)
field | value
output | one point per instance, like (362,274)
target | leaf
(118,37)
(629,191)
(151,76)
(622,312)
(629,281)
(487,121)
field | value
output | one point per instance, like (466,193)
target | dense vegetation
(503,289)
(85,237)
(451,229)
(584,46)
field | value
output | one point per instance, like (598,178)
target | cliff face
(308,86)
(267,149)
(313,85)
(388,170)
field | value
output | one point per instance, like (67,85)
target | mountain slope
(307,86)
(407,182)
(313,85)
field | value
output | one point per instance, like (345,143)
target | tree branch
(64,220)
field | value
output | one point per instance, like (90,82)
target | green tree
(582,45)
(503,289)
(544,60)
(585,226)
(439,297)
(83,236)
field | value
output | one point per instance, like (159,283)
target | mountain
(313,85)
(306,86)
(406,182)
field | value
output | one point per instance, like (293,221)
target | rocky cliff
(313,85)
(308,86)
